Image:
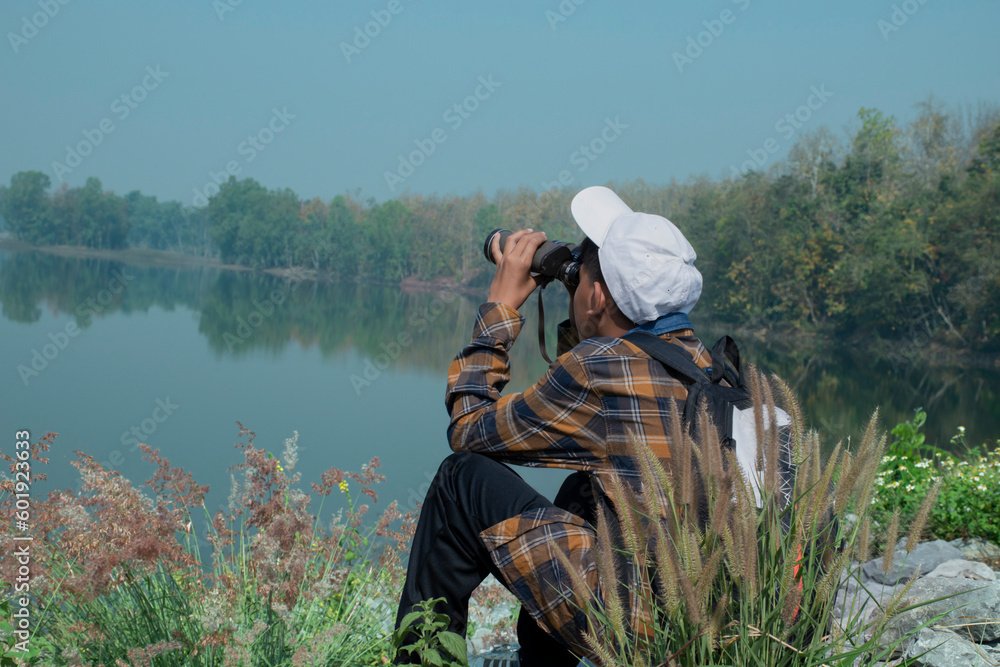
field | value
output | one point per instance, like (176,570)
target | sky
(383,97)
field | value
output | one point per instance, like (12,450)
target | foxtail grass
(727,582)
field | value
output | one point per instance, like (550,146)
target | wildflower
(981,488)
(280,469)
(961,429)
(910,487)
(292,450)
(343,486)
(923,464)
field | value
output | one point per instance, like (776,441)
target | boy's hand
(513,282)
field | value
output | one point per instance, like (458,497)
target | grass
(119,578)
(725,582)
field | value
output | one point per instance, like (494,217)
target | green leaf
(453,644)
(432,657)
(408,620)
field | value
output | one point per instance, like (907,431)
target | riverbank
(145,257)
(915,351)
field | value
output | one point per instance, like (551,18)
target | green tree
(103,217)
(251,225)
(388,230)
(27,207)
(345,238)
(147,222)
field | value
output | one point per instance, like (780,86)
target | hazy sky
(295,94)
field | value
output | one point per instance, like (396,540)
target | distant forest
(891,233)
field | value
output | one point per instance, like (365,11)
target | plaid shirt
(576,416)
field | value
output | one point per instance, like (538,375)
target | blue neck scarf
(665,323)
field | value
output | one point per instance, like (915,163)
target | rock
(959,568)
(977,549)
(924,558)
(973,610)
(477,642)
(858,604)
(946,649)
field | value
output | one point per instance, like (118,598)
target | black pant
(470,493)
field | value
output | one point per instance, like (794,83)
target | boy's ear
(598,298)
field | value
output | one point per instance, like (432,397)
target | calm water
(181,355)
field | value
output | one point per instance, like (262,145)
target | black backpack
(730,408)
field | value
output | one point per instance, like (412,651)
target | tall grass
(120,578)
(723,582)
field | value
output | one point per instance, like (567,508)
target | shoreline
(145,257)
(932,354)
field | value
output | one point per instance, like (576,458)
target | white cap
(646,261)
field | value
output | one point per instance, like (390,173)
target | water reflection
(240,313)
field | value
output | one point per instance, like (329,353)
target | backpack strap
(725,349)
(670,355)
(679,363)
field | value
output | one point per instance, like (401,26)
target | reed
(121,578)
(733,584)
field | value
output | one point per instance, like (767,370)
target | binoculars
(556,260)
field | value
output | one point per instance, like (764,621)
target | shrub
(422,634)
(120,579)
(725,582)
(969,501)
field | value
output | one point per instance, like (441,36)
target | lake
(102,353)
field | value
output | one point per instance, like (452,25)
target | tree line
(889,234)
(91,217)
(244,313)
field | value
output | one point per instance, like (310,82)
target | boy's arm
(555,422)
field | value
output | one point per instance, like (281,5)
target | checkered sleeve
(556,422)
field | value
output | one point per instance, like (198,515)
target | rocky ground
(969,633)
